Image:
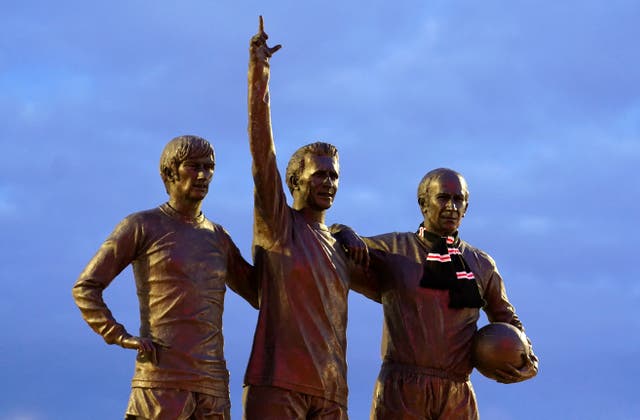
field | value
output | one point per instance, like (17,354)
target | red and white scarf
(446,269)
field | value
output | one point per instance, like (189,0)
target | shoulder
(481,257)
(219,232)
(391,240)
(215,228)
(144,215)
(138,219)
(143,221)
(395,236)
(147,220)
(211,225)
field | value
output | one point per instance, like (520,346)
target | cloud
(22,414)
(535,225)
(537,106)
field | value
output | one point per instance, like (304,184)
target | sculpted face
(445,204)
(192,181)
(318,183)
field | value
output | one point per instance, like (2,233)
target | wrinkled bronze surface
(181,263)
(424,340)
(300,339)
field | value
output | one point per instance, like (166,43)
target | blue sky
(537,104)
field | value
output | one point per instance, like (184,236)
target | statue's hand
(258,48)
(146,348)
(513,375)
(354,246)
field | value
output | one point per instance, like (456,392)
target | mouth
(450,217)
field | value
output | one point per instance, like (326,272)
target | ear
(466,207)
(169,176)
(421,204)
(293,180)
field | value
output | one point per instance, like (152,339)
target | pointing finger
(274,49)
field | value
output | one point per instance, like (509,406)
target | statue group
(431,285)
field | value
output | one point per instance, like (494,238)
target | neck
(310,215)
(190,209)
(434,232)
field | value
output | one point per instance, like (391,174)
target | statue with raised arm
(297,368)
(432,285)
(182,263)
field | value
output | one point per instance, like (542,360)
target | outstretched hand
(258,48)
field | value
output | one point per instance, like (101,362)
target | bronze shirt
(180,267)
(419,327)
(300,340)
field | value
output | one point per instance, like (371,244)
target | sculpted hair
(296,163)
(423,187)
(180,149)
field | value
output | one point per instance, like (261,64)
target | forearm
(271,210)
(260,133)
(265,172)
(88,297)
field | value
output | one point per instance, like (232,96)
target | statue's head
(443,197)
(312,175)
(183,149)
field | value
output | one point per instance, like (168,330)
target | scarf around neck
(446,269)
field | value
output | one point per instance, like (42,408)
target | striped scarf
(446,269)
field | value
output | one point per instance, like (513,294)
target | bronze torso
(181,267)
(419,327)
(300,339)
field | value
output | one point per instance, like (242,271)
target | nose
(328,180)
(451,205)
(204,173)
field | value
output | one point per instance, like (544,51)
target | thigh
(458,401)
(159,404)
(209,407)
(272,403)
(398,396)
(323,409)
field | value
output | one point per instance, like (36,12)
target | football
(496,345)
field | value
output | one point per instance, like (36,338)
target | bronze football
(496,345)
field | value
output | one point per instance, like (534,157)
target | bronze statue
(432,285)
(297,368)
(181,263)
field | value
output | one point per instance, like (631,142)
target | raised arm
(260,135)
(270,201)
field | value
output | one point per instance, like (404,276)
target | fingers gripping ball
(497,345)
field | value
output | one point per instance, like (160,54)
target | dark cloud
(536,105)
